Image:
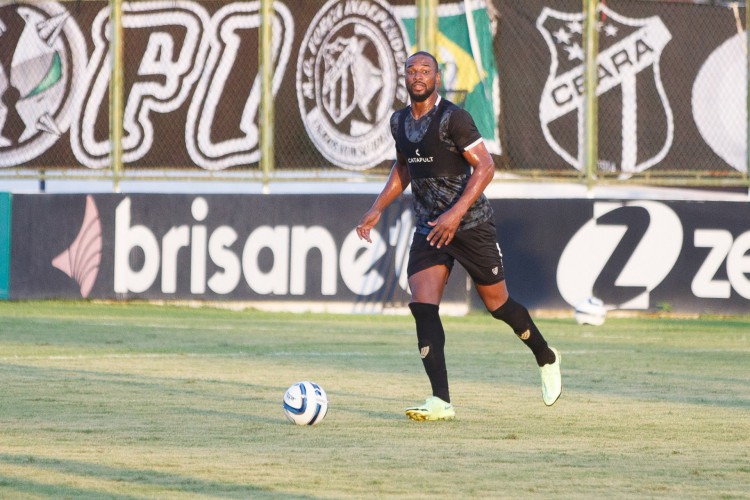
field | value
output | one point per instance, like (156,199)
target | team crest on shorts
(350,79)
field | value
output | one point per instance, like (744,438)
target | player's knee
(430,333)
(514,315)
(424,314)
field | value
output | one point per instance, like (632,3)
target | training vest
(430,157)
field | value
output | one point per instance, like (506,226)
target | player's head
(422,76)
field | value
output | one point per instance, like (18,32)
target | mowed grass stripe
(145,401)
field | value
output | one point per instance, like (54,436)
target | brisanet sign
(214,247)
(640,255)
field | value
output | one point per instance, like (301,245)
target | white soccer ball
(305,403)
(591,312)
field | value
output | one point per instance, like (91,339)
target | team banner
(192,89)
(638,255)
(668,100)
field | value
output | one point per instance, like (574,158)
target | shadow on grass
(157,483)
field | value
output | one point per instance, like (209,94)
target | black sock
(517,317)
(431,342)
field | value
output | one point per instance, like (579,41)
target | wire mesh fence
(671,90)
(671,87)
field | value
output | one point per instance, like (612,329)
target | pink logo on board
(81,260)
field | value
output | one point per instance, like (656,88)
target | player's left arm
(483,171)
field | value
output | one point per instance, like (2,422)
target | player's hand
(443,229)
(366,223)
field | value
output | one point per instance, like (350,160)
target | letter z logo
(621,254)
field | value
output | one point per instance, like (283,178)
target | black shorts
(476,249)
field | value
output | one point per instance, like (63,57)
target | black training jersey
(433,147)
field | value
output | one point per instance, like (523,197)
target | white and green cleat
(433,408)
(551,380)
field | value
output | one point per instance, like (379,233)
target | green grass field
(140,401)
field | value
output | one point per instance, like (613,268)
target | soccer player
(440,152)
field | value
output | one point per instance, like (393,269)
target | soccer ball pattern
(305,403)
(591,312)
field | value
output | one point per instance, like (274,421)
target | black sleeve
(462,129)
(394,127)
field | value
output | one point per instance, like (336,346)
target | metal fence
(612,91)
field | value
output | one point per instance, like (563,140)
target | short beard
(422,97)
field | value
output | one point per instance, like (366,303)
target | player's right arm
(397,182)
